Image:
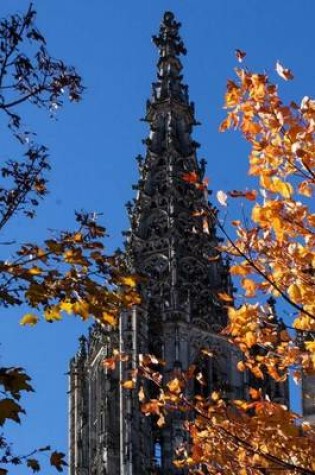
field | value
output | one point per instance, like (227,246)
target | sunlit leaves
(75,277)
(109,319)
(273,253)
(190,177)
(111,362)
(52,314)
(29,319)
(129,281)
(128,384)
(250,195)
(250,287)
(233,436)
(273,257)
(37,276)
(175,386)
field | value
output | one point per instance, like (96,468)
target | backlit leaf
(109,319)
(222,198)
(240,55)
(283,72)
(29,319)
(225,297)
(128,384)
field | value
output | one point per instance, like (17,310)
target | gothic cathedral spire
(172,240)
(172,245)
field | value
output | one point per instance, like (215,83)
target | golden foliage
(274,253)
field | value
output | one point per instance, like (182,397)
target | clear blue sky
(93,144)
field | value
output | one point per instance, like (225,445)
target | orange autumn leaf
(305,189)
(190,177)
(175,386)
(250,287)
(225,297)
(254,393)
(109,363)
(151,407)
(241,366)
(250,195)
(240,269)
(249,127)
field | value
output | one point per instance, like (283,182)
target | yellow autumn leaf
(66,306)
(161,421)
(310,346)
(175,386)
(52,314)
(81,308)
(128,384)
(304,322)
(109,319)
(35,270)
(141,394)
(129,281)
(250,339)
(259,215)
(279,186)
(215,396)
(29,319)
(294,293)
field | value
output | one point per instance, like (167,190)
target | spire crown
(169,41)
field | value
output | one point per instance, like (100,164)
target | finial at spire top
(169,18)
(169,34)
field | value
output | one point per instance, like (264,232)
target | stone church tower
(173,243)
